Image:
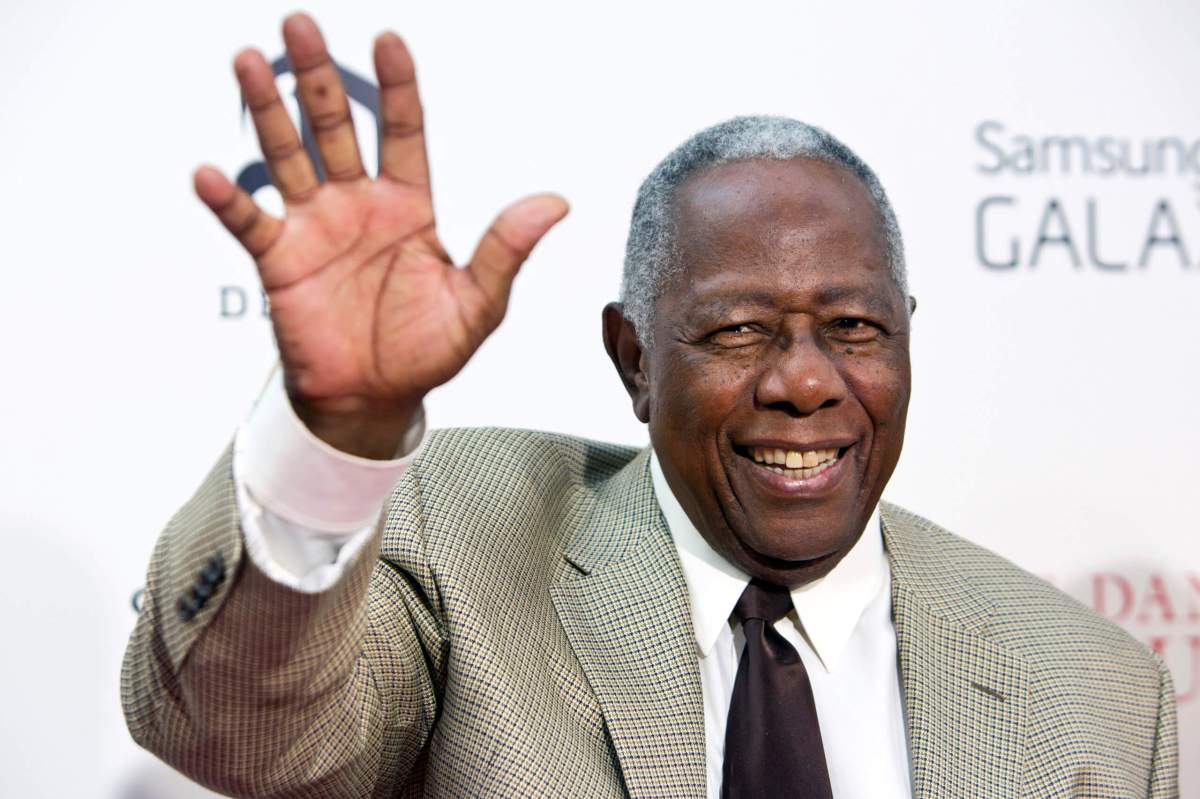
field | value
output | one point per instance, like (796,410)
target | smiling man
(352,606)
(774,371)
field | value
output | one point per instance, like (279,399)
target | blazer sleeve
(1164,768)
(256,690)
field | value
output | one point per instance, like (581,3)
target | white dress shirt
(841,625)
(307,508)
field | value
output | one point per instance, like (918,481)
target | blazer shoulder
(1098,702)
(473,490)
(513,456)
(1029,616)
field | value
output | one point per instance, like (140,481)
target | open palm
(368,310)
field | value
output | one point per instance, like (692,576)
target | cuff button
(187,608)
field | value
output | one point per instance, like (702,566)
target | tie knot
(764,601)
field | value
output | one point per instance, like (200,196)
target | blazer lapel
(964,694)
(624,607)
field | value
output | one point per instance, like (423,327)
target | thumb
(508,242)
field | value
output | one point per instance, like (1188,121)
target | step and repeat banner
(1044,162)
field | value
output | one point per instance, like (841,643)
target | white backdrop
(1055,405)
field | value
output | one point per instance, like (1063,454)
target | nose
(799,378)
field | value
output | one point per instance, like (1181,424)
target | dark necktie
(772,739)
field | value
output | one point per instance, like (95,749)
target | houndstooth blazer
(520,628)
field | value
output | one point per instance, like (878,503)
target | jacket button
(213,571)
(187,608)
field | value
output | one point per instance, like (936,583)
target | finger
(289,164)
(509,241)
(402,154)
(323,98)
(253,227)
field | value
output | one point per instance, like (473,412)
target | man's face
(778,377)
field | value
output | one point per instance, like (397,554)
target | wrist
(366,428)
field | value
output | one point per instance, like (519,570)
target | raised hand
(368,310)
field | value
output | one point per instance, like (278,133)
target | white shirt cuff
(307,508)
(299,477)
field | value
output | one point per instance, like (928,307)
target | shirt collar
(828,608)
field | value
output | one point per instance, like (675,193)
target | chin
(799,559)
(783,557)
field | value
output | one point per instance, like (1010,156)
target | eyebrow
(827,296)
(837,294)
(718,301)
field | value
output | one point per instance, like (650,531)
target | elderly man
(731,612)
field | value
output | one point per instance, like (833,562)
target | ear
(912,305)
(622,345)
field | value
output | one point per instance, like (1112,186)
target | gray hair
(651,256)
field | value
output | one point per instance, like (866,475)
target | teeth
(794,464)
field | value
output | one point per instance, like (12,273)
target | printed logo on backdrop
(1088,203)
(242,302)
(1113,205)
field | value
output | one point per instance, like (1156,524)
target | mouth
(796,469)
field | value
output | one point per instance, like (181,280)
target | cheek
(709,389)
(883,389)
(700,392)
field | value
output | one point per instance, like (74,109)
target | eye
(735,335)
(853,330)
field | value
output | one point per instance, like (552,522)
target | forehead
(797,225)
